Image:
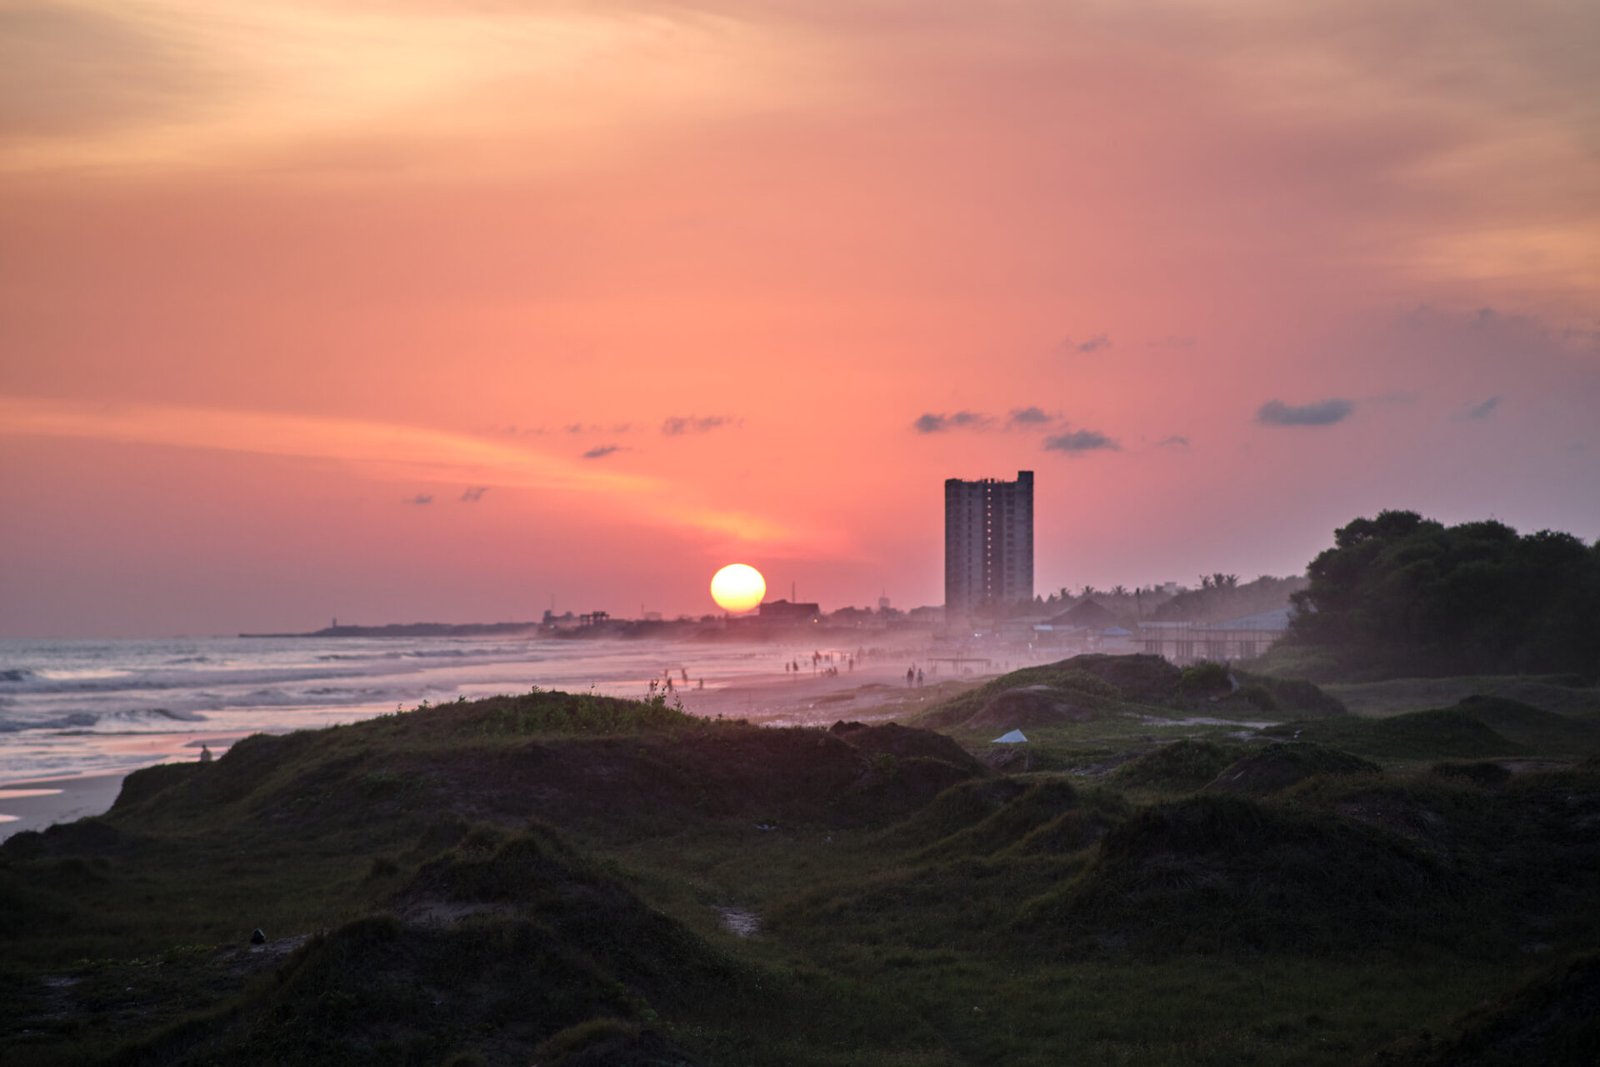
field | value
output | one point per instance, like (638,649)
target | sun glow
(738,587)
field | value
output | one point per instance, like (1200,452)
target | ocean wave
(169,714)
(64,722)
(86,721)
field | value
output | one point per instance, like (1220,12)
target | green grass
(912,908)
(1561,694)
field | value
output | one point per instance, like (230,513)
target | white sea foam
(83,707)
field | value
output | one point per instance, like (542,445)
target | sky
(400,310)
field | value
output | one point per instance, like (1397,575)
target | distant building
(988,544)
(784,611)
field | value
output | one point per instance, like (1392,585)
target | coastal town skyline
(406,311)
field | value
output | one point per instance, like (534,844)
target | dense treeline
(1400,594)
(1219,598)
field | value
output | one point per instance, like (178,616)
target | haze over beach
(790,533)
(399,311)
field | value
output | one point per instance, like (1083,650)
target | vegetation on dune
(1182,766)
(1564,694)
(558,879)
(1400,595)
(1475,728)
(1095,686)
(1553,1020)
(1226,874)
(1277,766)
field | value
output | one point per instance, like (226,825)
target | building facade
(988,545)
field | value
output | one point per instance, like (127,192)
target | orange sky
(406,309)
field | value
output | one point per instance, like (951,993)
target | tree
(1400,594)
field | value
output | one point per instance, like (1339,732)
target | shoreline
(774,699)
(42,802)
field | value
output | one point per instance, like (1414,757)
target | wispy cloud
(391,452)
(1029,418)
(601,451)
(1177,440)
(1320,413)
(931,422)
(1077,442)
(678,425)
(420,498)
(1485,409)
(1097,343)
(473,493)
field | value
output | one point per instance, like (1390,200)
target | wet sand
(38,804)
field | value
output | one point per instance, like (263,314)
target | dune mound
(1032,706)
(1141,678)
(1096,684)
(568,761)
(1221,873)
(904,741)
(383,990)
(1283,764)
(956,809)
(1183,765)
(1450,733)
(1485,774)
(506,944)
(1039,804)
(1287,696)
(1532,727)
(1552,1020)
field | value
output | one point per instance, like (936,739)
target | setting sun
(738,587)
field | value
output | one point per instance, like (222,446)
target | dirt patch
(739,922)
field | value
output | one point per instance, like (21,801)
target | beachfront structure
(1242,638)
(988,545)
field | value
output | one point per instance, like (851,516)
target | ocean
(70,708)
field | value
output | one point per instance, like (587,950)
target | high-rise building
(988,544)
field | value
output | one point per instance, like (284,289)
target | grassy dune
(1193,869)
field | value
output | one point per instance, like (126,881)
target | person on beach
(911,676)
